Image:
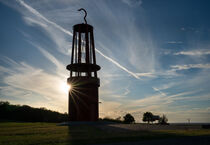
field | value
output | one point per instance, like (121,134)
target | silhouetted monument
(83,96)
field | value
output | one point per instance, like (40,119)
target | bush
(128,118)
(163,120)
(111,120)
(147,117)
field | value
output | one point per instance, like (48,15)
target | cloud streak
(25,82)
(35,12)
(174,42)
(199,52)
(132,3)
(127,48)
(117,64)
(158,90)
(190,66)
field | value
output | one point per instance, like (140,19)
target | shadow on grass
(93,134)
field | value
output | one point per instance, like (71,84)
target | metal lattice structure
(83,97)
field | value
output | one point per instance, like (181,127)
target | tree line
(147,117)
(9,112)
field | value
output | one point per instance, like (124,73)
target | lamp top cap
(84,27)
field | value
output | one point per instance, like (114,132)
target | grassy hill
(26,113)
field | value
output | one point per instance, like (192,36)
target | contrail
(158,90)
(35,12)
(117,64)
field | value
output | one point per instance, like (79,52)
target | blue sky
(154,54)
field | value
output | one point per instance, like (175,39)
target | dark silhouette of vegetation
(163,120)
(128,118)
(111,120)
(29,114)
(155,118)
(147,117)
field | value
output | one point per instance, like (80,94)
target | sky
(154,55)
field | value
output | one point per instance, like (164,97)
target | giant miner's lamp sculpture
(83,96)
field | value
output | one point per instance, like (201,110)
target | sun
(64,87)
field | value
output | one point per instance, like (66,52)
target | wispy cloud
(183,29)
(166,86)
(198,52)
(32,22)
(35,12)
(174,42)
(189,66)
(60,68)
(149,74)
(158,90)
(23,81)
(117,64)
(127,91)
(132,3)
(124,39)
(157,101)
(54,33)
(110,109)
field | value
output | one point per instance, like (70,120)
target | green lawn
(50,133)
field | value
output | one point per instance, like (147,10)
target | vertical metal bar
(70,73)
(76,51)
(79,51)
(72,54)
(90,49)
(93,48)
(87,49)
(79,47)
(87,45)
(76,58)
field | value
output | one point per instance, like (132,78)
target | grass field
(50,133)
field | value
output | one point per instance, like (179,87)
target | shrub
(128,118)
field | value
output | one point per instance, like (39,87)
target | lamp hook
(85,14)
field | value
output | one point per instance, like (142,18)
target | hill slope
(29,114)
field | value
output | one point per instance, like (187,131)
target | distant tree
(147,117)
(155,117)
(29,114)
(111,120)
(4,103)
(163,120)
(188,119)
(118,118)
(128,118)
